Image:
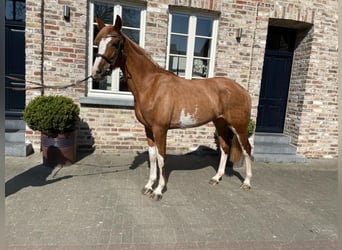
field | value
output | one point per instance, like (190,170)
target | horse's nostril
(98,71)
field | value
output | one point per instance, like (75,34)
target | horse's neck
(138,68)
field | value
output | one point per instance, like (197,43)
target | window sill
(113,101)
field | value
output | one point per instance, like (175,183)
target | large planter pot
(59,149)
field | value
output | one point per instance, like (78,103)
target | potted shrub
(251,133)
(56,117)
(251,127)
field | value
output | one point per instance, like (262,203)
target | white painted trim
(191,47)
(191,35)
(167,63)
(117,10)
(211,69)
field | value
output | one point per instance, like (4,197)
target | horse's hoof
(146,191)
(156,197)
(213,182)
(245,187)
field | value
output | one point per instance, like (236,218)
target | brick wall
(311,118)
(118,130)
(56,52)
(318,125)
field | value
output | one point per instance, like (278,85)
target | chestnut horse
(165,101)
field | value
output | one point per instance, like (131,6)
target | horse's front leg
(221,169)
(152,153)
(223,137)
(160,140)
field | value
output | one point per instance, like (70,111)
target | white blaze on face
(187,120)
(102,49)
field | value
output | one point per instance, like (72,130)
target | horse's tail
(235,151)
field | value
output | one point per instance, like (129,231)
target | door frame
(276,53)
(15,112)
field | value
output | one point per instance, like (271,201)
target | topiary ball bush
(251,127)
(52,114)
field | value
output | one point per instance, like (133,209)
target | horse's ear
(100,23)
(118,23)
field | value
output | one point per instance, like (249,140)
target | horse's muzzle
(99,74)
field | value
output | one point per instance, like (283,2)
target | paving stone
(96,204)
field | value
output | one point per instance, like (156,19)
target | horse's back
(220,91)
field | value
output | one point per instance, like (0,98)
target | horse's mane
(145,54)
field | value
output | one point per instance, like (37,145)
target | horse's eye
(114,45)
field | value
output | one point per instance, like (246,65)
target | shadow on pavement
(203,157)
(33,177)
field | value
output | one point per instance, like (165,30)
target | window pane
(132,34)
(20,7)
(279,38)
(204,27)
(180,24)
(96,31)
(177,65)
(200,68)
(15,10)
(202,46)
(122,82)
(105,84)
(131,17)
(9,10)
(178,44)
(105,12)
(95,50)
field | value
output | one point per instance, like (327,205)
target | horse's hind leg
(246,150)
(223,138)
(246,185)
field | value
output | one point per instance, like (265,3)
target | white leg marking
(222,166)
(237,136)
(152,152)
(247,161)
(161,184)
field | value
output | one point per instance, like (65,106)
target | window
(133,20)
(15,10)
(192,45)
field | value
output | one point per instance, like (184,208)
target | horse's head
(110,43)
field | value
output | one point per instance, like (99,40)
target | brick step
(15,144)
(21,149)
(286,158)
(12,135)
(271,138)
(274,148)
(270,147)
(14,124)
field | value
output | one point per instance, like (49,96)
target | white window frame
(191,42)
(117,9)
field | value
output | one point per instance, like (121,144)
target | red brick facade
(56,54)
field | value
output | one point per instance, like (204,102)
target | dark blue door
(15,57)
(275,80)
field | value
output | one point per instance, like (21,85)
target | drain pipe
(252,46)
(42,49)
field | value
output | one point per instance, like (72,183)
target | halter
(118,47)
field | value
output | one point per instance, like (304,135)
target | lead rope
(45,86)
